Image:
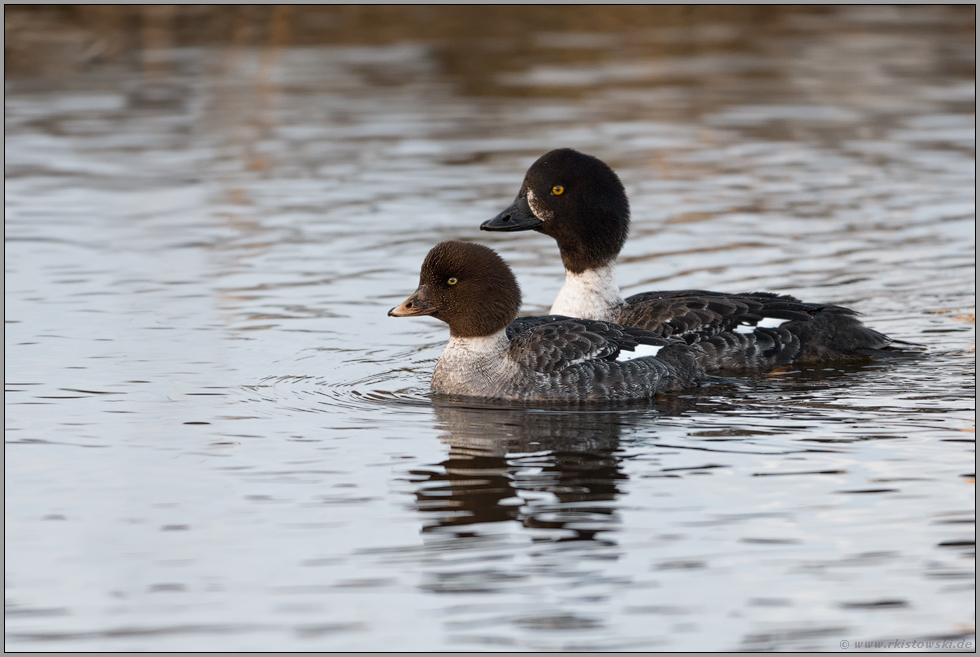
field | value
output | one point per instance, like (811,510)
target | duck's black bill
(414,306)
(517,217)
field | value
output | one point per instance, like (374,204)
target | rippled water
(216,439)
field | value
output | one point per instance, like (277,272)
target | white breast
(474,366)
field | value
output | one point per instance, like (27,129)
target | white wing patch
(766,322)
(641,351)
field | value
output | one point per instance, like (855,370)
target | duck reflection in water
(543,468)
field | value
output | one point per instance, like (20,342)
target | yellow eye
(557,190)
(452,281)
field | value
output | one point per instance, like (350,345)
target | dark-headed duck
(580,202)
(493,355)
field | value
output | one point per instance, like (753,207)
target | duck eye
(452,281)
(557,190)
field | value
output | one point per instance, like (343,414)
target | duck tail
(834,336)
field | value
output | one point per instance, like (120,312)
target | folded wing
(553,343)
(695,315)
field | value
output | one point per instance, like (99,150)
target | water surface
(217,440)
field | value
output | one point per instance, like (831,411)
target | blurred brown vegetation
(472,44)
(46,40)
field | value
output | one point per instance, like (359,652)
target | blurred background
(216,439)
(473,43)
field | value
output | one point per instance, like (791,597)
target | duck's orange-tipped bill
(414,306)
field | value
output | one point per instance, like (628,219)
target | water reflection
(541,468)
(544,468)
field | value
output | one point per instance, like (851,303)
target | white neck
(486,345)
(592,294)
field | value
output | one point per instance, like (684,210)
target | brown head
(466,285)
